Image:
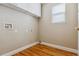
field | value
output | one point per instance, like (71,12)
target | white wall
(34,8)
(63,34)
(21,34)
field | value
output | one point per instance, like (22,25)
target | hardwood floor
(42,50)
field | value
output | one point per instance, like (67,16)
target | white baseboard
(19,49)
(48,44)
(61,47)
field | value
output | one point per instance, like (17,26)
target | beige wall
(21,34)
(63,34)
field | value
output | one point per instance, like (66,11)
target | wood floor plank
(56,50)
(39,52)
(26,54)
(51,53)
(18,54)
(31,52)
(43,50)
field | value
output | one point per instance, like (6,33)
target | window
(58,13)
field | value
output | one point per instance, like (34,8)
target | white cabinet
(32,8)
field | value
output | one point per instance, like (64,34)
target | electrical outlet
(8,26)
(26,30)
(30,30)
(16,30)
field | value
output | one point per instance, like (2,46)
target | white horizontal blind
(58,13)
